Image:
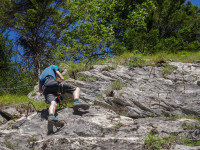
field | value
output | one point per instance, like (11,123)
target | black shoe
(54,121)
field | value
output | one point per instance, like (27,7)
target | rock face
(147,92)
(95,129)
(127,105)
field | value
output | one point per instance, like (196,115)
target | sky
(195,2)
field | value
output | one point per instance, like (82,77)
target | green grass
(129,59)
(173,117)
(74,68)
(10,145)
(116,85)
(117,126)
(109,68)
(157,143)
(87,78)
(9,99)
(32,139)
(167,70)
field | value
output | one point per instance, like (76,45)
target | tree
(6,54)
(102,26)
(147,26)
(39,24)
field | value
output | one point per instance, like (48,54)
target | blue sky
(195,2)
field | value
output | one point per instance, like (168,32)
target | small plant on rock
(167,70)
(87,78)
(33,94)
(116,85)
(189,126)
(117,126)
(10,145)
(32,139)
(109,68)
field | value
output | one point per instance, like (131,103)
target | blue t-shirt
(49,71)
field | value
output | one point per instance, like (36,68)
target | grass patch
(117,126)
(109,68)
(87,78)
(32,139)
(156,143)
(167,70)
(74,68)
(116,85)
(40,105)
(33,94)
(190,126)
(129,59)
(173,117)
(10,145)
(10,99)
(136,62)
(99,96)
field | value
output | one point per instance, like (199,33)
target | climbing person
(51,89)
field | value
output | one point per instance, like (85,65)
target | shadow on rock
(45,113)
(80,113)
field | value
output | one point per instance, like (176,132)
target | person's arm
(40,88)
(60,75)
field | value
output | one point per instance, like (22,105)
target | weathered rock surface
(121,119)
(95,129)
(147,92)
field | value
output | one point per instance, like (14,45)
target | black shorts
(52,88)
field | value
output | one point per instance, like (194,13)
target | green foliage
(168,69)
(109,68)
(99,96)
(145,26)
(173,117)
(33,94)
(136,62)
(32,139)
(17,81)
(152,143)
(6,54)
(38,26)
(9,99)
(190,126)
(10,145)
(156,143)
(130,59)
(87,78)
(40,105)
(116,85)
(74,68)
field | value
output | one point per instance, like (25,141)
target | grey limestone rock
(146,103)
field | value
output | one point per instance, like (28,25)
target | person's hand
(62,79)
(40,91)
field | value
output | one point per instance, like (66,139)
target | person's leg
(67,88)
(76,93)
(52,107)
